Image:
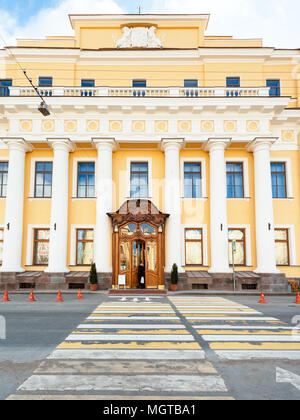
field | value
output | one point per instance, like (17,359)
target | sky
(276,21)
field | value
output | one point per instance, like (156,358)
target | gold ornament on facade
(116,126)
(253,126)
(70,126)
(138,126)
(48,125)
(25,125)
(288,136)
(230,126)
(92,125)
(184,126)
(161,126)
(207,126)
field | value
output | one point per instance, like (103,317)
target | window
(237,235)
(235,182)
(282,247)
(233,82)
(43,180)
(139,83)
(45,81)
(87,83)
(193,246)
(41,246)
(278,176)
(86,180)
(3,178)
(192,180)
(274,86)
(139,180)
(4,87)
(84,246)
(190,83)
(1,244)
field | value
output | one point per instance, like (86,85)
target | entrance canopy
(138,210)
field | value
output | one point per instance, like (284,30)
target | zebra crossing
(127,348)
(236,332)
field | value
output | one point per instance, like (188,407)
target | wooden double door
(140,243)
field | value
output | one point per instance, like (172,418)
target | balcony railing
(150,92)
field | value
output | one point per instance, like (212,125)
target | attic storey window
(45,81)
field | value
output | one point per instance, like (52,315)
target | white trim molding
(202,161)
(73,241)
(247,241)
(128,168)
(204,243)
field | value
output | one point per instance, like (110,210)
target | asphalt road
(34,329)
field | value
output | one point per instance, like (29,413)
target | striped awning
(30,274)
(198,274)
(78,274)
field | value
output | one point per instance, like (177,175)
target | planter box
(93,287)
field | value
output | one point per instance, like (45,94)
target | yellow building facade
(162,146)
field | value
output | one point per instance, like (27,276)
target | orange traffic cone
(298,298)
(79,296)
(262,298)
(5,298)
(59,298)
(31,297)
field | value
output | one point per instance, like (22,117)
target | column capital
(261,143)
(216,144)
(104,143)
(172,143)
(63,144)
(18,143)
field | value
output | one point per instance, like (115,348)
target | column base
(262,270)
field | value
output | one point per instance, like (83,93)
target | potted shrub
(174,278)
(93,279)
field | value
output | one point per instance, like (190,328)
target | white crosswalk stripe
(236,335)
(132,347)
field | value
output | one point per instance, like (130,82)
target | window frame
(202,162)
(128,177)
(244,241)
(287,241)
(193,240)
(200,184)
(77,229)
(82,81)
(43,185)
(191,81)
(143,83)
(4,88)
(274,88)
(45,85)
(233,85)
(80,162)
(1,181)
(36,241)
(228,162)
(277,162)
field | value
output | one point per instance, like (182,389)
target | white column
(104,191)
(264,219)
(59,207)
(13,229)
(172,148)
(218,206)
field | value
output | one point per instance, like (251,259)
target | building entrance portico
(138,237)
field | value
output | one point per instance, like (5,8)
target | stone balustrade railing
(196,92)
